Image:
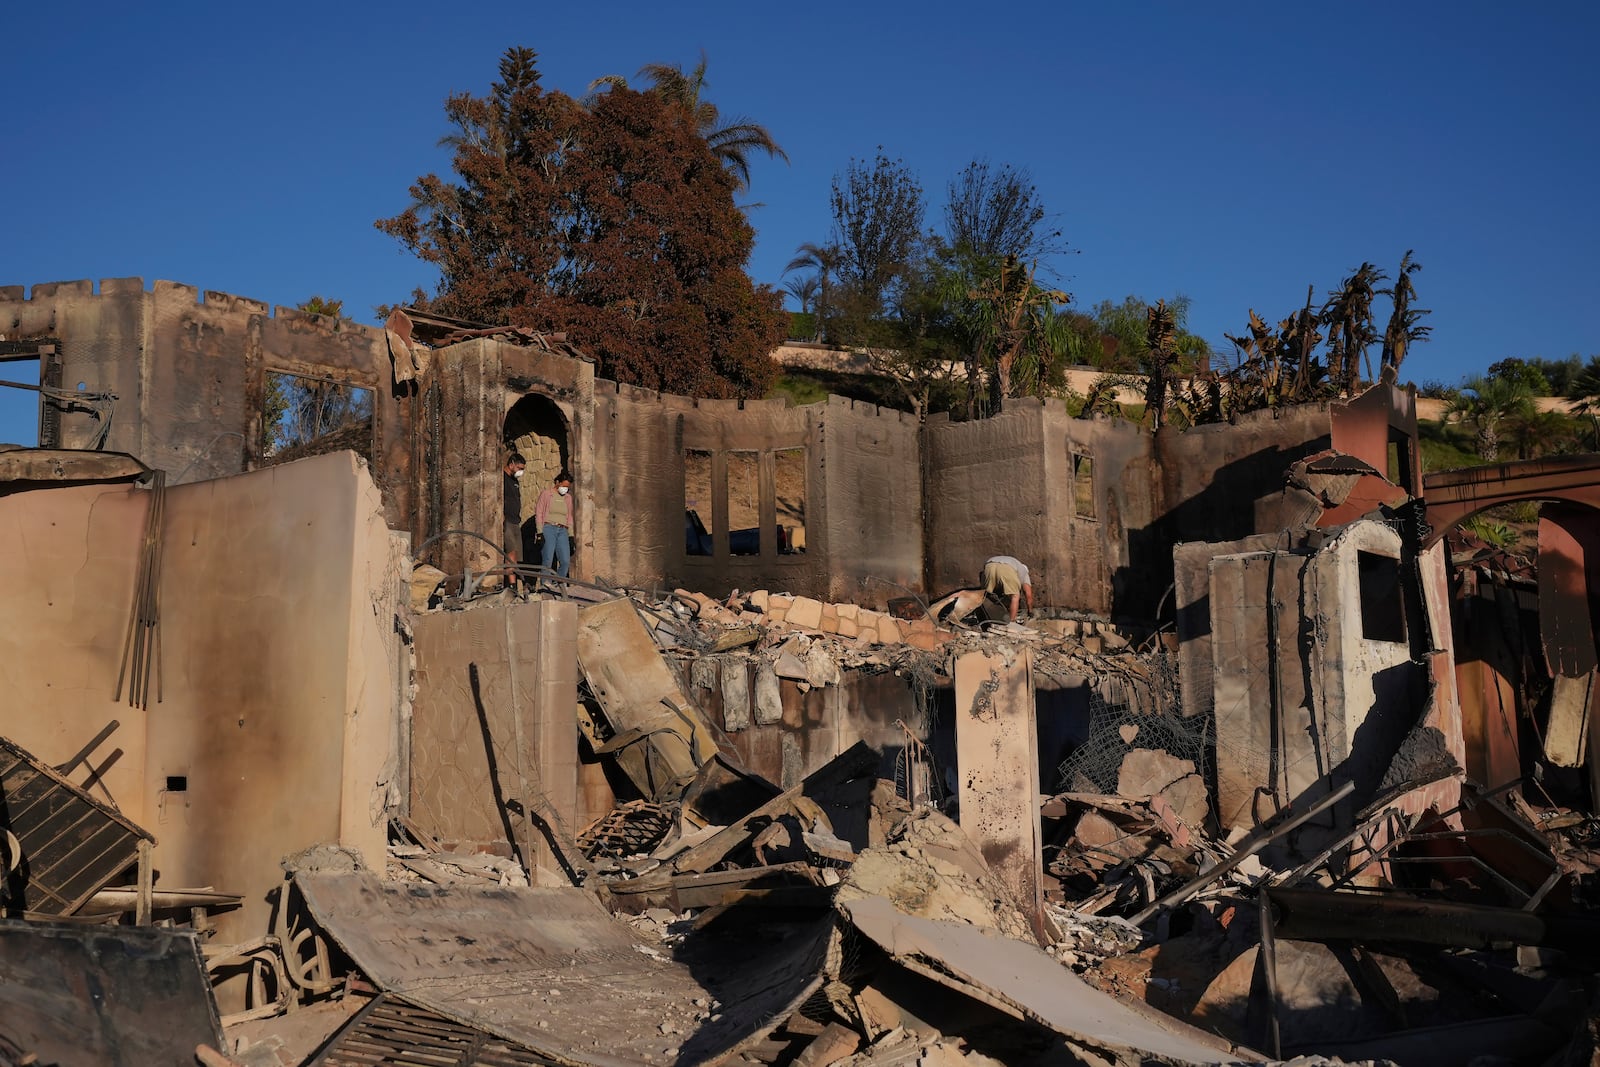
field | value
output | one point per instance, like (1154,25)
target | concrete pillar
(997,753)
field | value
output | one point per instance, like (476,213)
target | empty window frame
(744,503)
(1082,485)
(789,477)
(1383,616)
(21,414)
(303,417)
(699,504)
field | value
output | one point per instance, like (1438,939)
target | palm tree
(1403,326)
(1348,315)
(731,142)
(823,262)
(1585,387)
(803,289)
(1486,404)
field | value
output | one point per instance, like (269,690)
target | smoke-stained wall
(986,495)
(888,506)
(871,478)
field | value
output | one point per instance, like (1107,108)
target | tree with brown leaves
(614,222)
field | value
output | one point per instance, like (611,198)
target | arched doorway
(538,429)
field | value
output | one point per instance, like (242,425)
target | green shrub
(802,325)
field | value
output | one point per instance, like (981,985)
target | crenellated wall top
(167,291)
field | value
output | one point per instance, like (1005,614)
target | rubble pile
(1332,803)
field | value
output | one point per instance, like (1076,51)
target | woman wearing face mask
(513,469)
(555,515)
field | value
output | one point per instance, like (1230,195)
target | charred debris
(349,801)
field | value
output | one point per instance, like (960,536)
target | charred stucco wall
(189,370)
(1192,596)
(987,494)
(871,481)
(66,585)
(760,429)
(1308,679)
(475,670)
(637,494)
(460,439)
(1088,554)
(1221,482)
(101,341)
(279,596)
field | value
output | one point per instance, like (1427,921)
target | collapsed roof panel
(1022,979)
(551,970)
(150,1005)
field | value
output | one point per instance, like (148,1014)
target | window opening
(744,503)
(19,398)
(789,474)
(699,511)
(1082,486)
(1383,616)
(304,417)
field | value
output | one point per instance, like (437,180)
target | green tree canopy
(615,223)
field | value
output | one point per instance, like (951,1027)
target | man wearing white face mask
(555,516)
(513,469)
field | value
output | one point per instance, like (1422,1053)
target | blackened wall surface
(871,477)
(638,485)
(986,495)
(887,504)
(1088,541)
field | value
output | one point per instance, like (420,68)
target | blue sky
(1232,152)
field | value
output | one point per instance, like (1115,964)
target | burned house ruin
(278,698)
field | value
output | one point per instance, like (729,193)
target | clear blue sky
(1233,152)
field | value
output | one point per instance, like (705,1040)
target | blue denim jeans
(557,548)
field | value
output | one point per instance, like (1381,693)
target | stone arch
(538,428)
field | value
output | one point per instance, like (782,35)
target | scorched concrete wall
(871,479)
(487,678)
(279,674)
(986,493)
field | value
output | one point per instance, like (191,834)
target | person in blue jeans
(555,516)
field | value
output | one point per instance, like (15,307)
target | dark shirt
(513,497)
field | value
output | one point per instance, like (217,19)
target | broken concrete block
(836,1042)
(805,612)
(889,630)
(1147,771)
(758,600)
(928,642)
(830,618)
(848,611)
(791,659)
(821,669)
(424,580)
(769,698)
(735,694)
(931,868)
(848,628)
(1106,843)
(1187,797)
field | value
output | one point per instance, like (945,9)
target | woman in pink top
(555,516)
